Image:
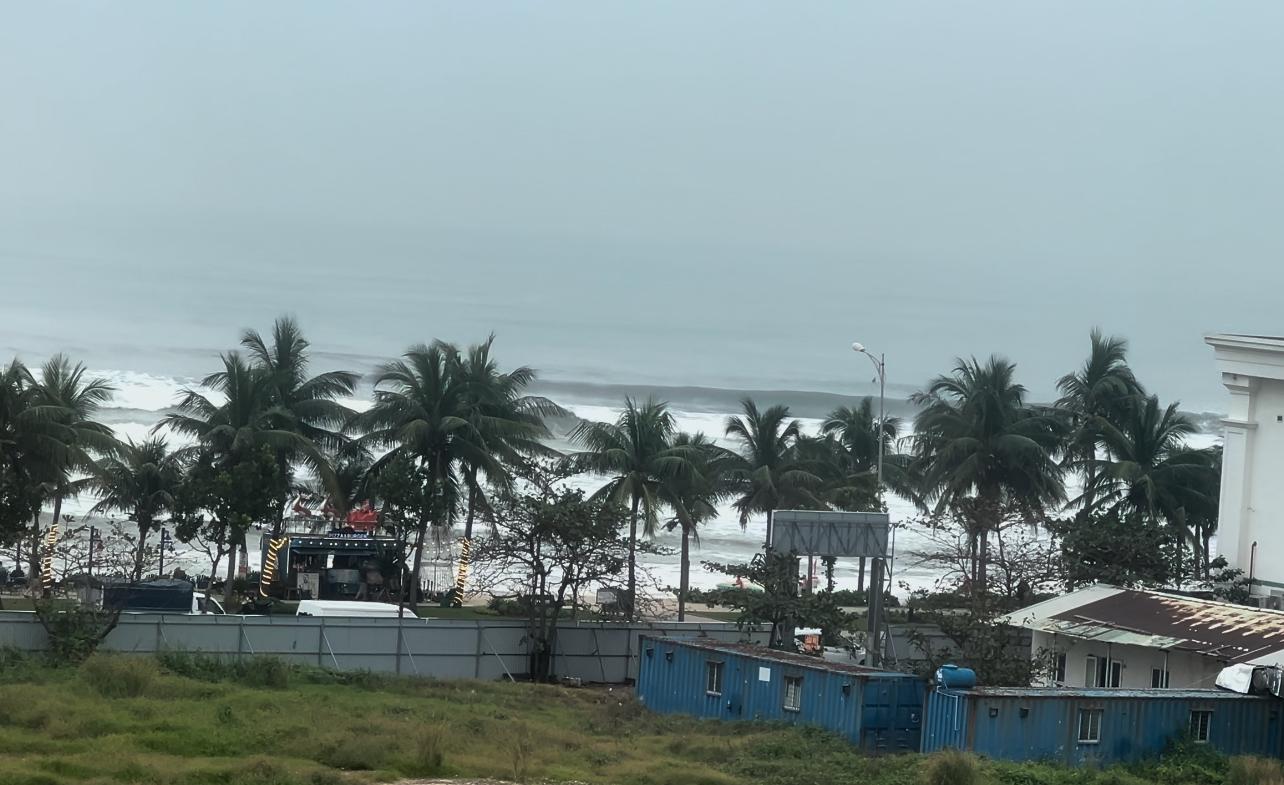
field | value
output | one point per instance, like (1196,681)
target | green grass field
(187,719)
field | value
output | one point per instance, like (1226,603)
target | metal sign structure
(830,533)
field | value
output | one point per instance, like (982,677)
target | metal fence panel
(441,648)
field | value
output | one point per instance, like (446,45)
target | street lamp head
(858,347)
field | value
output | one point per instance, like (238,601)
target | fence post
(320,641)
(240,635)
(159,635)
(477,627)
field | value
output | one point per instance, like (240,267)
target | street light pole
(874,596)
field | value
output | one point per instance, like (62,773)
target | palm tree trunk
(228,589)
(33,568)
(143,527)
(472,506)
(684,580)
(57,513)
(860,574)
(633,558)
(410,593)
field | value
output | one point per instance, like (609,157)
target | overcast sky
(734,190)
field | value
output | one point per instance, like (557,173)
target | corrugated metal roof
(774,655)
(1234,633)
(1103,694)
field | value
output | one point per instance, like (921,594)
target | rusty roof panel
(1217,629)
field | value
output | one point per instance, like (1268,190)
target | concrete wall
(1185,670)
(1252,497)
(441,648)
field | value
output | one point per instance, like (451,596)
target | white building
(1250,528)
(1104,636)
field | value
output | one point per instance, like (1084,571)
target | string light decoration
(268,576)
(461,580)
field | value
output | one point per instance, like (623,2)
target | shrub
(520,748)
(1250,770)
(354,753)
(429,756)
(251,672)
(118,676)
(951,767)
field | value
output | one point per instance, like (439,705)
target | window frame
(1160,678)
(1059,662)
(1090,671)
(713,674)
(796,681)
(1091,715)
(1201,721)
(1114,674)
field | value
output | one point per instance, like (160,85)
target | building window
(1200,725)
(1059,669)
(713,678)
(1159,678)
(793,693)
(1102,672)
(1090,726)
(1116,674)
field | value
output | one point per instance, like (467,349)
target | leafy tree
(1150,471)
(307,406)
(140,481)
(510,422)
(401,488)
(698,493)
(422,413)
(1115,547)
(558,541)
(1102,390)
(248,419)
(982,450)
(67,400)
(218,501)
(27,439)
(777,602)
(766,472)
(638,454)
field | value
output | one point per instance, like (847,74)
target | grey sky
(686,192)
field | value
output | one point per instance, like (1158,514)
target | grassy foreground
(187,719)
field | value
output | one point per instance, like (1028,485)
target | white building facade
(1111,637)
(1250,528)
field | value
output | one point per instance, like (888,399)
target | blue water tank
(955,678)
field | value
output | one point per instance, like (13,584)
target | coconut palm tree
(307,405)
(422,412)
(1149,469)
(243,419)
(510,422)
(697,494)
(638,454)
(982,450)
(67,400)
(767,472)
(140,481)
(31,447)
(1102,389)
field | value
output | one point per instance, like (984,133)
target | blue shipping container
(878,710)
(1086,726)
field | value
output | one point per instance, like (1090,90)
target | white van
(365,610)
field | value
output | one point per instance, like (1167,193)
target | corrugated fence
(442,648)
